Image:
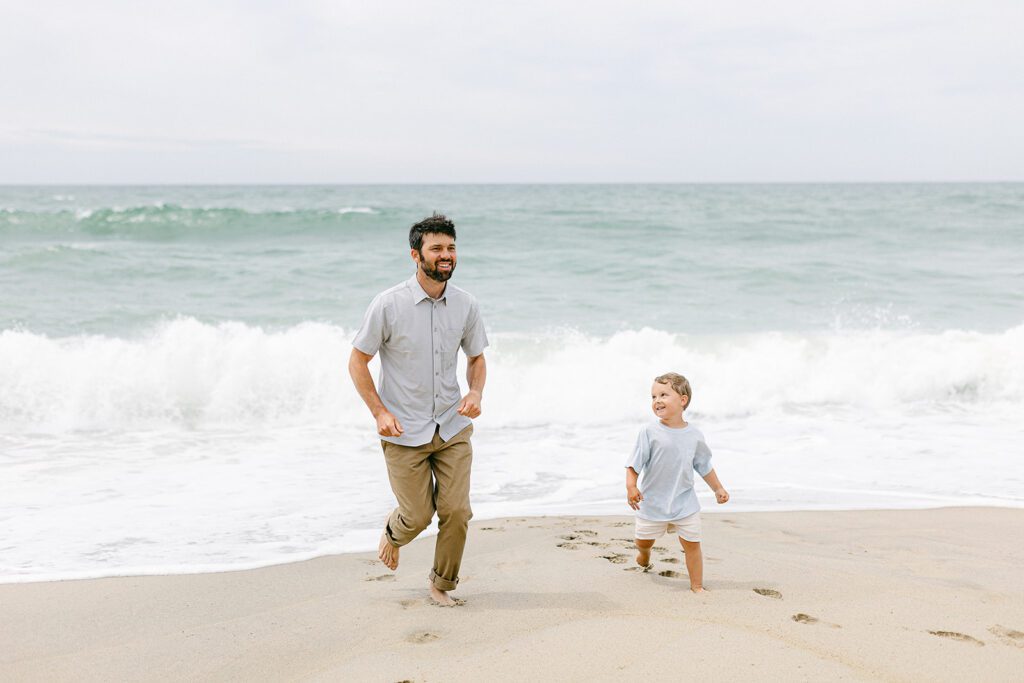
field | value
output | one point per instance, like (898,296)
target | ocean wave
(186,374)
(169,221)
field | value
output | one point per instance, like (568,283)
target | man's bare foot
(698,589)
(387,553)
(442,598)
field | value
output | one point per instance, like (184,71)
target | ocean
(174,394)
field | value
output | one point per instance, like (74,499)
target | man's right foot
(387,553)
(442,598)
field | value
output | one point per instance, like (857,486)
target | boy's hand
(634,497)
(722,496)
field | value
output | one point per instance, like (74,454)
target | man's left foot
(442,599)
(698,589)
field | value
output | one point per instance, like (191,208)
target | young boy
(668,451)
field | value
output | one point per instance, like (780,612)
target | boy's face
(665,402)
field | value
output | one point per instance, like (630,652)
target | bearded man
(423,421)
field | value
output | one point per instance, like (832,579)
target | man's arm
(476,375)
(358,368)
(721,495)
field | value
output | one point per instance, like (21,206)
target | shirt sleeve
(641,452)
(374,331)
(702,458)
(474,338)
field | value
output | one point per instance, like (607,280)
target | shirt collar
(419,295)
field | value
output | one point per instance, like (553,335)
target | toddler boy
(668,451)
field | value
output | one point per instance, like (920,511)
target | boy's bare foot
(643,557)
(442,598)
(387,553)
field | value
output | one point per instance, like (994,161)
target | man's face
(436,258)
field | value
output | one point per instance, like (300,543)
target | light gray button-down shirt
(419,340)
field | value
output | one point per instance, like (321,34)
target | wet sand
(929,595)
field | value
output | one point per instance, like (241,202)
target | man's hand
(470,404)
(388,425)
(722,496)
(634,497)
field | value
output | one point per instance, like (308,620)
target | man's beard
(435,274)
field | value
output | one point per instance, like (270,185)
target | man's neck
(433,288)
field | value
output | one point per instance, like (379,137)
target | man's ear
(415,256)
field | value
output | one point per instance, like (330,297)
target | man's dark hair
(436,224)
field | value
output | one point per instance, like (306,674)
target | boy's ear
(686,401)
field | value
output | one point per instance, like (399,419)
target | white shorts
(687,528)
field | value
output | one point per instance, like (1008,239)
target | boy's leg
(643,551)
(451,464)
(412,484)
(644,535)
(694,564)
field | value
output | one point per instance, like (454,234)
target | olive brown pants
(428,478)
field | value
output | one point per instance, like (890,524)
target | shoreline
(709,508)
(930,594)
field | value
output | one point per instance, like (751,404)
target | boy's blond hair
(679,384)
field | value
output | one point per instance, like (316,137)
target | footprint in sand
(1008,635)
(406,604)
(962,637)
(802,618)
(598,544)
(669,574)
(492,528)
(382,577)
(422,637)
(570,537)
(670,560)
(584,532)
(615,558)
(768,593)
(567,546)
(621,524)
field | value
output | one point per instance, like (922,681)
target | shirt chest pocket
(450,340)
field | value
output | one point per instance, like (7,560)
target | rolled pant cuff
(441,583)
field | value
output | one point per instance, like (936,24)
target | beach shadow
(587,602)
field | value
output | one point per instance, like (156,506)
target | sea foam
(187,373)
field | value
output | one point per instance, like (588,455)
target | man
(424,424)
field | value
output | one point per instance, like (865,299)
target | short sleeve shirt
(666,458)
(418,339)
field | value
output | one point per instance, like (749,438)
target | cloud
(459,91)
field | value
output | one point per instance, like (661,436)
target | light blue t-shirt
(666,458)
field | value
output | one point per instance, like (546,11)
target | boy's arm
(633,494)
(721,495)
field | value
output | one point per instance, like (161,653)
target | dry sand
(932,595)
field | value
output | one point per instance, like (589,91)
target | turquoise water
(173,392)
(687,258)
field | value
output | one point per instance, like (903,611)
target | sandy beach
(930,595)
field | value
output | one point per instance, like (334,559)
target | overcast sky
(311,91)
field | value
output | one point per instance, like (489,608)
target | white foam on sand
(199,447)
